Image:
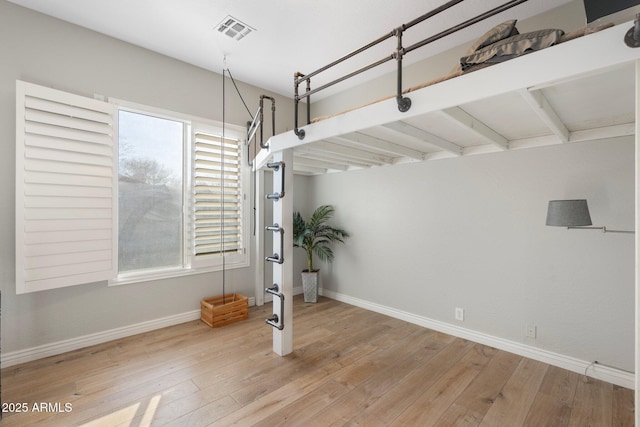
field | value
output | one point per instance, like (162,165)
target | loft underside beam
(315,153)
(311,162)
(594,134)
(368,141)
(467,121)
(424,136)
(334,146)
(540,105)
(615,131)
(308,170)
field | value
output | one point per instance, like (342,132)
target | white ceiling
(291,35)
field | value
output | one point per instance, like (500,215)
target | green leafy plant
(316,235)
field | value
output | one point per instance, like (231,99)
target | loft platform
(576,91)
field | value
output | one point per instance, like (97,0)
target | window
(181,196)
(150,196)
(124,193)
(218,199)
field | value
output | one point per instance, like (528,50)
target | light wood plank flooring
(350,367)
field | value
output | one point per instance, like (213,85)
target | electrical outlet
(532,330)
(460,314)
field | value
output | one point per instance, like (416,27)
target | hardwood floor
(350,367)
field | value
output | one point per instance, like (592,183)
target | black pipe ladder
(278,258)
(275,320)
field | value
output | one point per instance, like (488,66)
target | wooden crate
(219,311)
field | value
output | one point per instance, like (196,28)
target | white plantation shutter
(218,196)
(66,189)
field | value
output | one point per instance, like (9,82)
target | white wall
(470,232)
(46,51)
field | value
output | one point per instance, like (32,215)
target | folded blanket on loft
(512,47)
(501,43)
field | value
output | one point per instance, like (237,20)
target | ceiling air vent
(234,28)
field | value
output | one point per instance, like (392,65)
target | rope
(225,70)
(239,94)
(253,172)
(224,297)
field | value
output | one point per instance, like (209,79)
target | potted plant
(315,236)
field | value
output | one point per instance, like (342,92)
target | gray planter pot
(310,286)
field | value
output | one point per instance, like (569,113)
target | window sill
(170,273)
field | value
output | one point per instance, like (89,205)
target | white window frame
(190,264)
(216,262)
(159,273)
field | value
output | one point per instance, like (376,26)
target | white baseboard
(59,347)
(601,372)
(604,373)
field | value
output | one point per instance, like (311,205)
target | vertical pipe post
(283,273)
(262,122)
(308,101)
(273,116)
(403,103)
(259,238)
(296,100)
(637,247)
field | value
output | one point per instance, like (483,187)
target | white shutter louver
(66,189)
(218,195)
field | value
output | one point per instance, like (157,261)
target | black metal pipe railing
(347,76)
(296,99)
(464,24)
(404,103)
(258,123)
(431,13)
(304,77)
(380,39)
(252,126)
(308,101)
(273,118)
